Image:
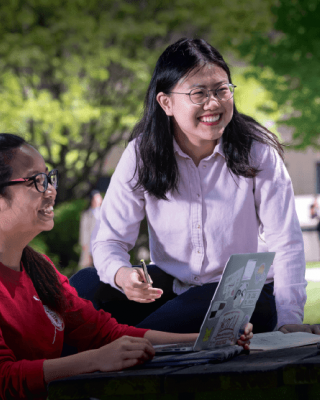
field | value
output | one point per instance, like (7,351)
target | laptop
(232,304)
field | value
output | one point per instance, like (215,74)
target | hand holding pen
(136,284)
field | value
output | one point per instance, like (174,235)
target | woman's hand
(124,352)
(132,281)
(244,339)
(290,328)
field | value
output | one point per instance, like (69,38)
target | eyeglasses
(200,95)
(40,180)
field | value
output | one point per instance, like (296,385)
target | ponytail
(44,279)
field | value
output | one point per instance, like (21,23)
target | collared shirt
(213,215)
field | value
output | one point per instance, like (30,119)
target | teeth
(210,119)
(47,210)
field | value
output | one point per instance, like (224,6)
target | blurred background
(73,76)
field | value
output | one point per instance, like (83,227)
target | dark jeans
(171,313)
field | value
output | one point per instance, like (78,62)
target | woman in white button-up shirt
(208,179)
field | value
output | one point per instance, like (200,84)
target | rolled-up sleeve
(274,199)
(121,214)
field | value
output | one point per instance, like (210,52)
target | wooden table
(282,374)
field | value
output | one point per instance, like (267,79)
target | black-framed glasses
(40,180)
(200,95)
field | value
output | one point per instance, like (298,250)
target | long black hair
(157,167)
(39,269)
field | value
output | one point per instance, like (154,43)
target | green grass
(312,307)
(313,264)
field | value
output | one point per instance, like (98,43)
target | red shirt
(30,332)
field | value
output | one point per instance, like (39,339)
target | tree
(287,61)
(73,74)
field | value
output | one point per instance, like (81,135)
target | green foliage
(292,51)
(61,244)
(73,75)
(253,99)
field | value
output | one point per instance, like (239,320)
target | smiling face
(198,127)
(25,212)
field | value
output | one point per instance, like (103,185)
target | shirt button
(199,251)
(196,278)
(199,226)
(198,194)
(204,166)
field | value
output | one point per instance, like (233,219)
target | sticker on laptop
(226,327)
(207,335)
(240,295)
(249,270)
(231,283)
(251,298)
(260,273)
(217,309)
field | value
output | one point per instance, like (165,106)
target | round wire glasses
(200,95)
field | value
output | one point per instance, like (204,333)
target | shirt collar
(218,149)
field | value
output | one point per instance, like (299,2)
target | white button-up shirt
(213,215)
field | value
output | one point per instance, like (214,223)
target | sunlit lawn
(312,307)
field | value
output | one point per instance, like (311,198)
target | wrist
(94,363)
(81,363)
(118,278)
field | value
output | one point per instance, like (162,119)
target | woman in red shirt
(39,310)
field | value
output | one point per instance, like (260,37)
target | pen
(144,267)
